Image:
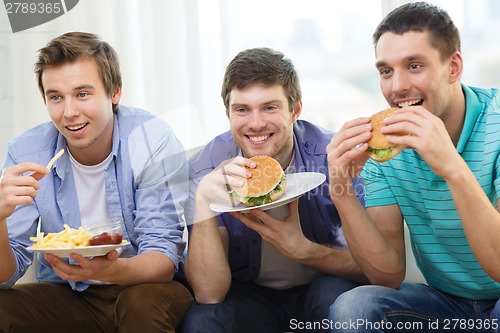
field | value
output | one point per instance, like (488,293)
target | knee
(209,318)
(495,314)
(322,293)
(362,302)
(138,300)
(158,304)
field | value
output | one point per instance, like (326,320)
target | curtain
(174,52)
(160,56)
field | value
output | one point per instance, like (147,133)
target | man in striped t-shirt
(445,186)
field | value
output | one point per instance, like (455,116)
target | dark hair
(422,16)
(74,46)
(261,66)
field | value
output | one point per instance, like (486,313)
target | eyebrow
(81,87)
(409,58)
(274,101)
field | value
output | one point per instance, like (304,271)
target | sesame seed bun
(266,176)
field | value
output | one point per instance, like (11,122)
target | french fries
(55,158)
(68,238)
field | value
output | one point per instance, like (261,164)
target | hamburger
(267,183)
(378,148)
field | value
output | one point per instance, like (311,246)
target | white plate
(296,185)
(85,251)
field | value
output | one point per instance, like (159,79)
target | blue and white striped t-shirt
(438,241)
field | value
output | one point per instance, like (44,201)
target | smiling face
(261,121)
(80,109)
(413,72)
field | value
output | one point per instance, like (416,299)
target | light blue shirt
(441,249)
(146,186)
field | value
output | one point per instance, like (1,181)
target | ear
(116,95)
(296,111)
(456,67)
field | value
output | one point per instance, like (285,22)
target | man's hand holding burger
(347,155)
(426,133)
(214,186)
(379,148)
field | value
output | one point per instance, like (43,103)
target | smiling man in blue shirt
(120,163)
(269,271)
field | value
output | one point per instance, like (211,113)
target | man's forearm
(480,219)
(7,259)
(377,257)
(206,266)
(332,261)
(147,267)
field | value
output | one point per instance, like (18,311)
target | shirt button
(434,184)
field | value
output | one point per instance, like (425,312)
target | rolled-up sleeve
(161,185)
(21,225)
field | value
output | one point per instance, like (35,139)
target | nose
(257,120)
(70,109)
(400,82)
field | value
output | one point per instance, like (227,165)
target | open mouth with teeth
(411,102)
(259,138)
(76,127)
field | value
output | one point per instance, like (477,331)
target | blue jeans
(251,308)
(412,308)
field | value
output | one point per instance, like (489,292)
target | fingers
(18,189)
(244,162)
(400,124)
(416,115)
(27,167)
(253,221)
(233,174)
(64,270)
(352,130)
(23,192)
(12,182)
(229,174)
(84,268)
(15,174)
(348,146)
(38,175)
(353,135)
(112,255)
(410,125)
(239,161)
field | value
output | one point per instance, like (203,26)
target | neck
(285,157)
(97,150)
(455,118)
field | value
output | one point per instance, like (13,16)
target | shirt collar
(472,111)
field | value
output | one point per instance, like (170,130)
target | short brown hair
(74,46)
(422,16)
(261,66)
